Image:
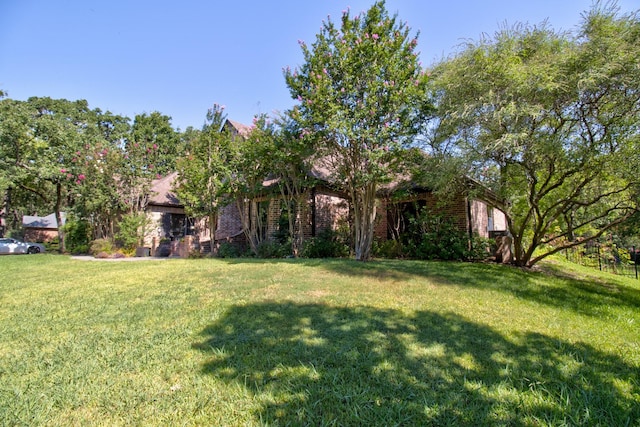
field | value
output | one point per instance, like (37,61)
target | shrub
(391,249)
(327,244)
(433,236)
(228,250)
(132,229)
(482,248)
(100,246)
(269,249)
(80,249)
(77,236)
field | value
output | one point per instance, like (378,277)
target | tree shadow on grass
(582,296)
(312,364)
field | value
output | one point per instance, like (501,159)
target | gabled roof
(237,128)
(162,191)
(48,221)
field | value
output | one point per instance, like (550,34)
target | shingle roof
(162,191)
(48,221)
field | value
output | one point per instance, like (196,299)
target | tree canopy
(550,122)
(361,96)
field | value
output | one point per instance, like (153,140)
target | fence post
(635,261)
(599,259)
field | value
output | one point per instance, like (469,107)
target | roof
(237,128)
(162,191)
(48,221)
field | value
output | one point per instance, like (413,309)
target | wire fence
(606,257)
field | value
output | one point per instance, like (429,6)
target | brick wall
(39,235)
(331,210)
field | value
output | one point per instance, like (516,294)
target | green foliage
(251,164)
(550,121)
(390,249)
(361,94)
(228,250)
(272,249)
(99,246)
(434,236)
(132,230)
(78,236)
(327,244)
(204,170)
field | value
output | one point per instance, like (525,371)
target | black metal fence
(606,257)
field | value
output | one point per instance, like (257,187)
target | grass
(315,342)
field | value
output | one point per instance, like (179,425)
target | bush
(228,250)
(432,236)
(132,229)
(269,249)
(80,249)
(101,246)
(76,236)
(391,249)
(327,244)
(482,248)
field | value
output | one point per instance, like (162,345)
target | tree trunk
(364,208)
(213,225)
(58,206)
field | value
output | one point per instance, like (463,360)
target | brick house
(41,228)
(326,208)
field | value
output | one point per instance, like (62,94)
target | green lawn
(311,342)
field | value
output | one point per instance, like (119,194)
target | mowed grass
(315,342)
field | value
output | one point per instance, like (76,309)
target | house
(169,225)
(41,228)
(326,207)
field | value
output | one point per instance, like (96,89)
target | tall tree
(151,152)
(205,170)
(361,97)
(42,139)
(291,165)
(551,121)
(251,165)
(100,161)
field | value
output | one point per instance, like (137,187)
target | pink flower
(81,177)
(375,37)
(63,171)
(155,146)
(69,176)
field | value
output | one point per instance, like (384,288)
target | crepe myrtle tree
(361,97)
(205,170)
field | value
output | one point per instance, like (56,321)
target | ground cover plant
(315,342)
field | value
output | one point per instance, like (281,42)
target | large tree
(361,97)
(551,122)
(251,165)
(151,150)
(40,139)
(58,155)
(205,170)
(291,165)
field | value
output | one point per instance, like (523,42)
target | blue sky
(181,57)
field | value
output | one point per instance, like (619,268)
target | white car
(15,246)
